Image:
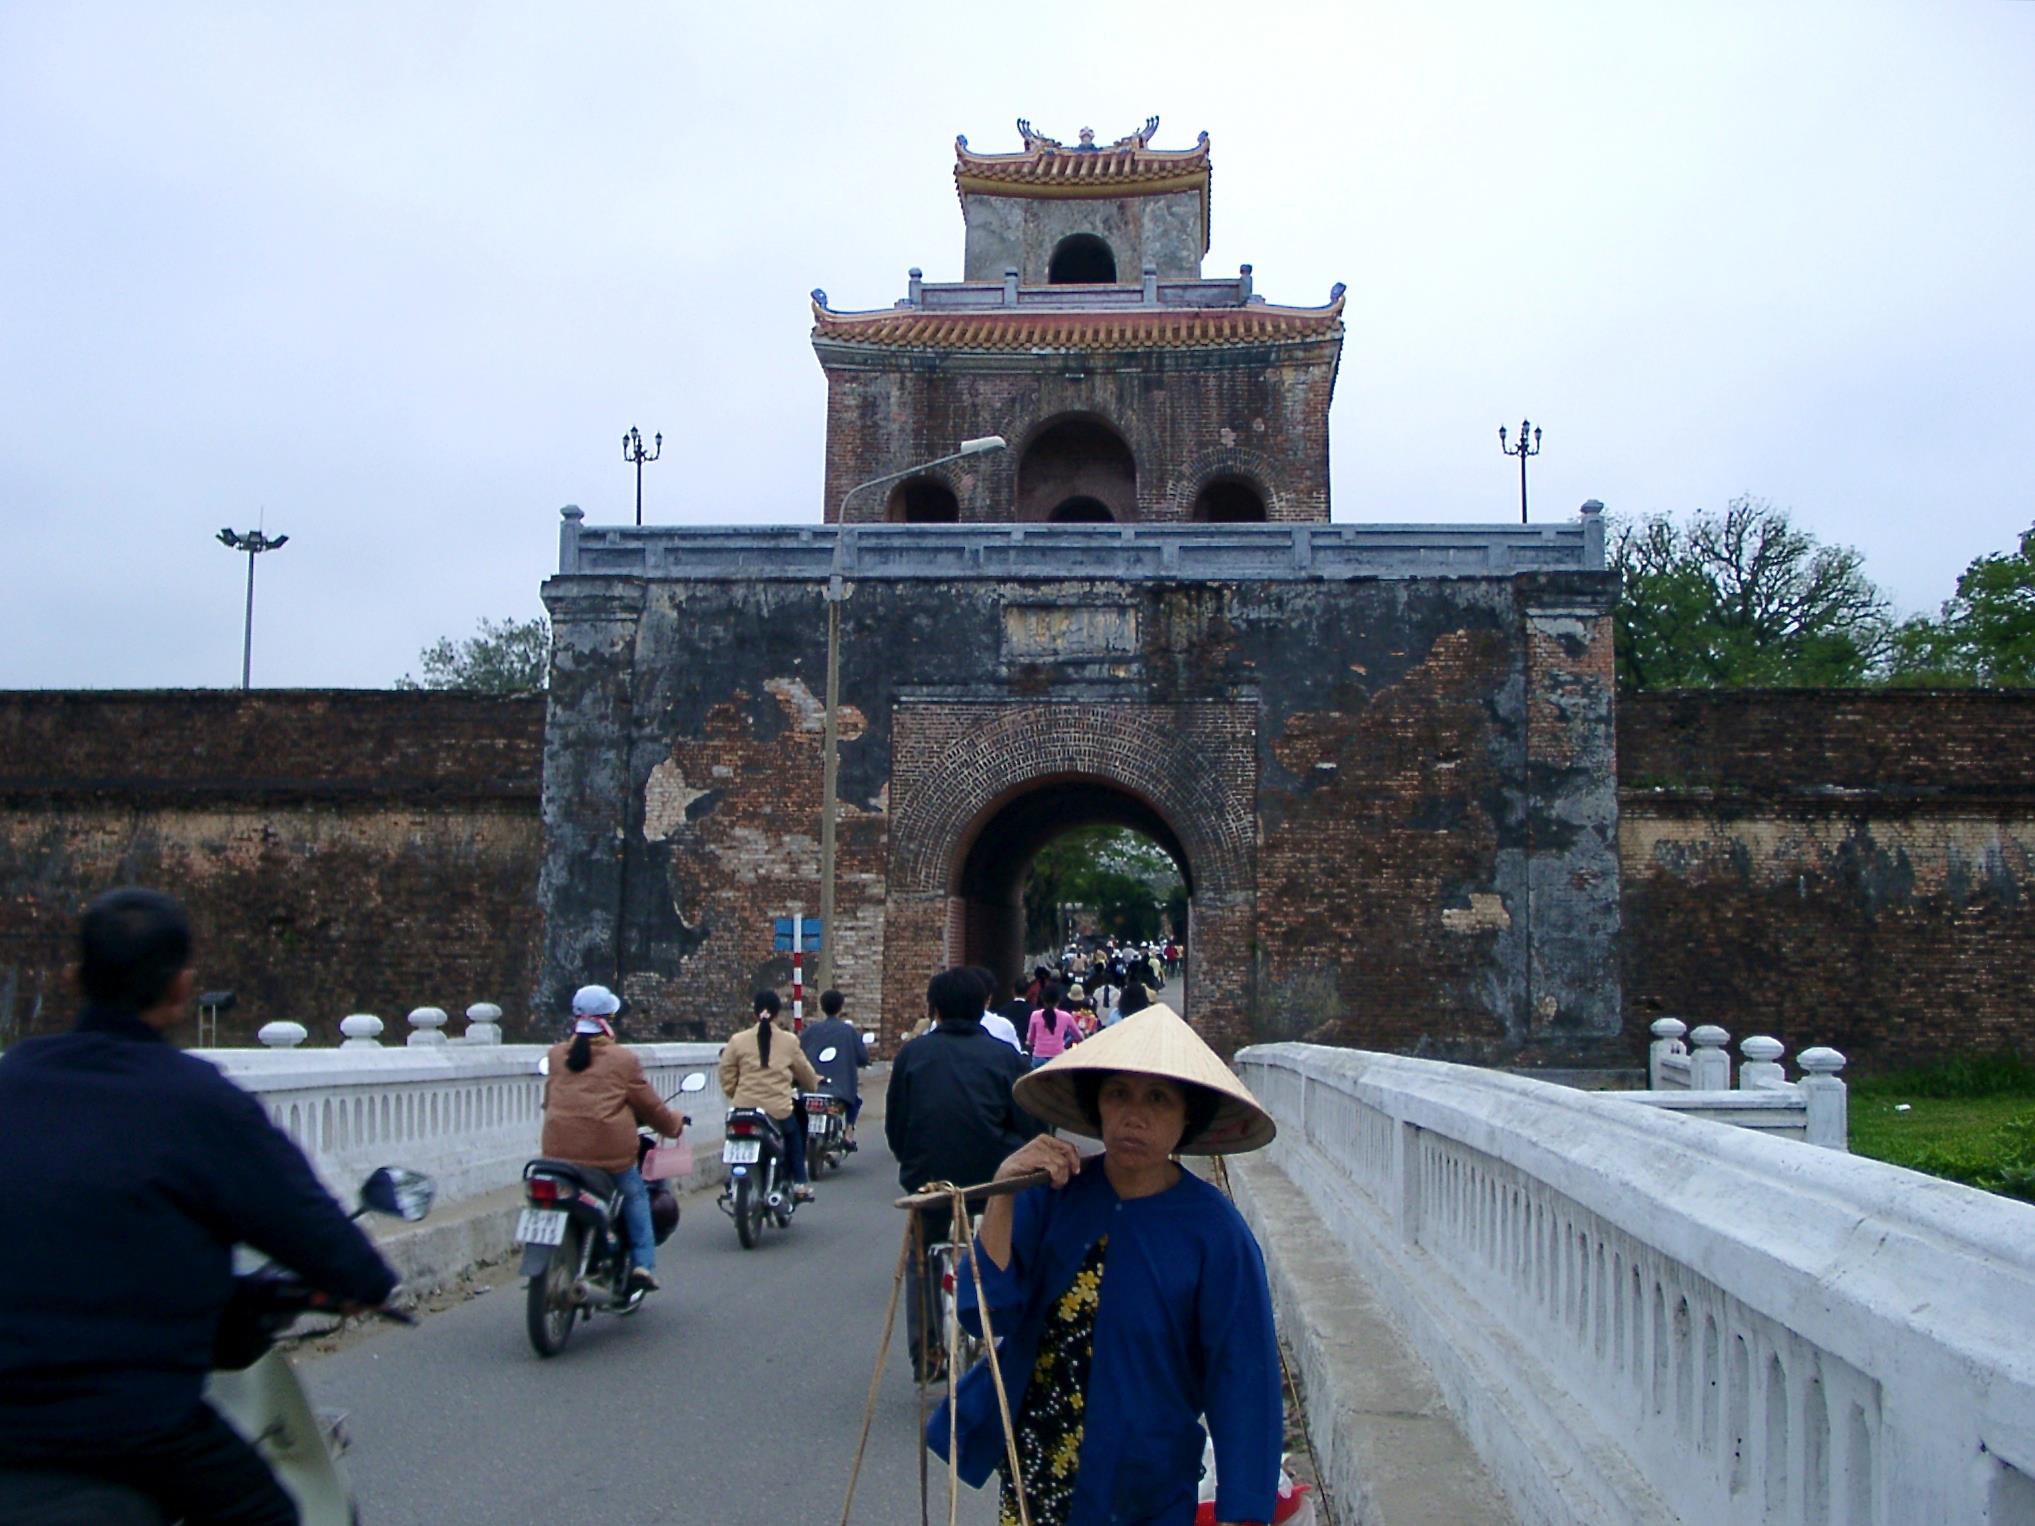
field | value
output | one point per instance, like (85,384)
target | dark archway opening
(1081,259)
(1073,460)
(998,865)
(1229,501)
(923,501)
(1082,511)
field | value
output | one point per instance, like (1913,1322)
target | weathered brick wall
(1849,869)
(339,852)
(1258,414)
(1385,845)
(1832,868)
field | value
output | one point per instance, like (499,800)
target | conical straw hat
(1152,1042)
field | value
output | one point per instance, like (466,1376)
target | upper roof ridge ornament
(1037,142)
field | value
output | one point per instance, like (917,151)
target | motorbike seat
(600,1183)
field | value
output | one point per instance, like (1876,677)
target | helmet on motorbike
(663,1212)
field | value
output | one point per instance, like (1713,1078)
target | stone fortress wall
(1841,868)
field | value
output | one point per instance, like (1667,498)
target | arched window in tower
(1229,501)
(1081,259)
(1082,511)
(923,501)
(1077,470)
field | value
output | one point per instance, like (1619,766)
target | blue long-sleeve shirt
(132,1170)
(1183,1328)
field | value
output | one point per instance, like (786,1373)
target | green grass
(1971,1120)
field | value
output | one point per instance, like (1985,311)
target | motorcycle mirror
(696,1082)
(544,1065)
(393,1190)
(827,1055)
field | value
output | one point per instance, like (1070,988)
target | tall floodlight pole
(831,726)
(632,452)
(253,543)
(1521,450)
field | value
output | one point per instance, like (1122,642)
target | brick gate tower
(1380,755)
(1130,388)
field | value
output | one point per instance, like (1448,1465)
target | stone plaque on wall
(1064,632)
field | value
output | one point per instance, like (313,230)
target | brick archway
(956,766)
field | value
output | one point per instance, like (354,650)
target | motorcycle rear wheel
(748,1214)
(550,1311)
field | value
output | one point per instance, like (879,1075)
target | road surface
(735,1396)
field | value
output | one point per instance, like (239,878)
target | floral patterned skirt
(1049,1422)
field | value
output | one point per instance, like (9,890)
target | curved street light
(831,726)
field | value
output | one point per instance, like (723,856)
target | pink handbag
(666,1161)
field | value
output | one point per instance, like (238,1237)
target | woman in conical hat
(1129,1296)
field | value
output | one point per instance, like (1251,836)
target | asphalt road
(735,1396)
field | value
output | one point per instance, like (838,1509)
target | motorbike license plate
(742,1152)
(817,1124)
(540,1226)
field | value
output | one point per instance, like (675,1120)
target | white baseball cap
(595,1001)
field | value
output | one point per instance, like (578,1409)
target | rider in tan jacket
(764,1068)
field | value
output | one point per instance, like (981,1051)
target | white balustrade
(1638,1317)
(469,1116)
(283,1035)
(1667,1058)
(427,1026)
(483,1023)
(362,1030)
(1709,1060)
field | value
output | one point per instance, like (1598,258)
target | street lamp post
(831,725)
(1522,451)
(253,543)
(632,452)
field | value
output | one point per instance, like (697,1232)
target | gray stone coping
(1157,552)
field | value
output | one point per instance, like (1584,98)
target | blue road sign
(809,935)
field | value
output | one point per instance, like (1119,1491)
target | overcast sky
(394,279)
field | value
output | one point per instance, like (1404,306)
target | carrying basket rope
(913,1248)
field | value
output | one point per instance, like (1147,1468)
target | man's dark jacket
(132,1169)
(948,1115)
(849,1055)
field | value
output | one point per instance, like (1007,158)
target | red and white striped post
(798,976)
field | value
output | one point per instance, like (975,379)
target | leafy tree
(1986,631)
(1119,874)
(507,657)
(1743,599)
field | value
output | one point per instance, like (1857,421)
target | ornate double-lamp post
(1521,450)
(633,455)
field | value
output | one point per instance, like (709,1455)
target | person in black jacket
(133,1169)
(948,1117)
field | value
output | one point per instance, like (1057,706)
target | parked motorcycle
(759,1188)
(575,1246)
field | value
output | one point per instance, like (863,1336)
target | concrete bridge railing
(469,1115)
(1697,1081)
(1641,1316)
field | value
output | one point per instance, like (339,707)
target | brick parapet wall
(1830,867)
(1836,868)
(338,851)
(339,744)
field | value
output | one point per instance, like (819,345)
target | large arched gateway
(978,789)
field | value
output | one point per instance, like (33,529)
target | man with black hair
(138,1168)
(949,1117)
(835,1032)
